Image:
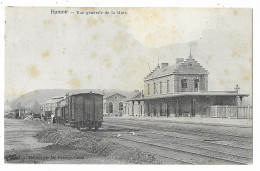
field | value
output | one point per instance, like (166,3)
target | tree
(18,105)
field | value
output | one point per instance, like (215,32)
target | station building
(180,89)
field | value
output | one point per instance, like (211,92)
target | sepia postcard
(112,85)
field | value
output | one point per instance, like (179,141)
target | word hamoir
(53,11)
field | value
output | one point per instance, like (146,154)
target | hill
(41,96)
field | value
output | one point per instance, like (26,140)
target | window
(154,88)
(115,97)
(148,87)
(184,84)
(160,87)
(196,84)
(168,86)
(120,106)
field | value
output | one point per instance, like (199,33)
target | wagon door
(99,108)
(89,107)
(79,109)
(66,113)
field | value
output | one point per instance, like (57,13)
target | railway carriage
(84,110)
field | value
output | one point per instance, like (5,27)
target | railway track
(181,136)
(215,158)
(174,159)
(187,123)
(198,131)
(206,150)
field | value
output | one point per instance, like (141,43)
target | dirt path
(19,134)
(25,143)
(22,147)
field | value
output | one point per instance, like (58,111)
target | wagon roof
(75,94)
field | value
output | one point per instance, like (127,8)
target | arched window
(110,107)
(120,106)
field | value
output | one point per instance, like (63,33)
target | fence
(231,112)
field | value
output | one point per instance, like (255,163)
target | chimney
(164,65)
(179,60)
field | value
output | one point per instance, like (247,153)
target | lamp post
(237,88)
(237,97)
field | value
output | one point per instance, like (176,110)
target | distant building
(48,108)
(134,108)
(113,104)
(181,89)
(19,113)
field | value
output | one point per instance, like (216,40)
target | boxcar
(83,110)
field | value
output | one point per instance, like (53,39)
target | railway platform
(197,120)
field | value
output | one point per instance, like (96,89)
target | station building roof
(183,94)
(187,66)
(54,99)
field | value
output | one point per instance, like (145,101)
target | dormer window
(190,65)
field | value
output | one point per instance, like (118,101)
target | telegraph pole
(237,97)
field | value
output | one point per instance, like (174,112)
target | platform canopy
(184,94)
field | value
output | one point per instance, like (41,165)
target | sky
(112,51)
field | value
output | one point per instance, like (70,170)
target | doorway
(110,106)
(193,101)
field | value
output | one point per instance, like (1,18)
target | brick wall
(202,84)
(160,84)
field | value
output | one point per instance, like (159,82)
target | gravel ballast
(73,139)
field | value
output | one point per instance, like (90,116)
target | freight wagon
(83,110)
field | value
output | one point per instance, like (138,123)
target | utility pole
(237,97)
